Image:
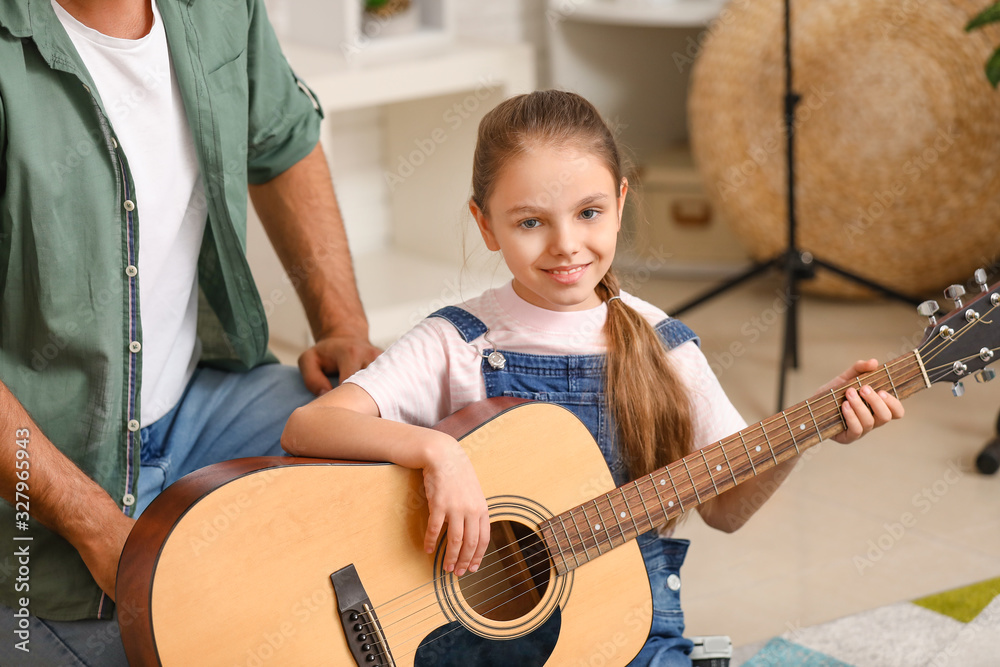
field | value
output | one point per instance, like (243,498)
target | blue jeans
(667,646)
(221,416)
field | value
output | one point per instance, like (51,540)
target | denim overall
(576,382)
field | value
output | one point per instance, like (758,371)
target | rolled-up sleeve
(284,115)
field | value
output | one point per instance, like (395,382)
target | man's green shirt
(69,239)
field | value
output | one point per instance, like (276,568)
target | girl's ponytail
(646,397)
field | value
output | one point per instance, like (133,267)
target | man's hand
(299,211)
(103,550)
(866,409)
(64,499)
(344,355)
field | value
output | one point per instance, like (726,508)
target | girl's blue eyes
(586,214)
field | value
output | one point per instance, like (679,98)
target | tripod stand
(796,265)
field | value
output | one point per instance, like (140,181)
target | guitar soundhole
(513,577)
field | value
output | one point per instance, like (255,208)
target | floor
(899,515)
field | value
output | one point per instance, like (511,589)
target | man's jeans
(221,416)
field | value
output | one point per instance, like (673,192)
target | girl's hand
(866,409)
(455,496)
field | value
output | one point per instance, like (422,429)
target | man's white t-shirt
(137,85)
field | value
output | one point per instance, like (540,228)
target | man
(132,338)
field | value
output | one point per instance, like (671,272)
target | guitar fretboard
(599,525)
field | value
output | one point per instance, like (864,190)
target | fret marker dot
(717,468)
(597,526)
(623,515)
(662,482)
(670,504)
(757,448)
(802,427)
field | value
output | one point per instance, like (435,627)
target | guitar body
(232,565)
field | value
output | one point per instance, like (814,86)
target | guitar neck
(599,525)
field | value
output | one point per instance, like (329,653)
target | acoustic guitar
(289,561)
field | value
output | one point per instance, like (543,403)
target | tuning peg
(958,388)
(980,276)
(985,375)
(928,309)
(955,293)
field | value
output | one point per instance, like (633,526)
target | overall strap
(469,326)
(674,332)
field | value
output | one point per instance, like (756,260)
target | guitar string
(941,344)
(944,370)
(407,640)
(545,558)
(742,469)
(945,342)
(403,642)
(701,476)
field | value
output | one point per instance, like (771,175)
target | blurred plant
(985,17)
(386,8)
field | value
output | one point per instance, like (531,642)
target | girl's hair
(646,397)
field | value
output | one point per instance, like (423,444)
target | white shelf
(462,66)
(652,13)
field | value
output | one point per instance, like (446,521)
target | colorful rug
(958,628)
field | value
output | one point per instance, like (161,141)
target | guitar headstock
(966,340)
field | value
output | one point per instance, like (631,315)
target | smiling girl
(548,193)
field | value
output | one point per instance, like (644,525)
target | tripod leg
(881,289)
(988,461)
(719,289)
(790,343)
(792,295)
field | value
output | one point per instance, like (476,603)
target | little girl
(548,193)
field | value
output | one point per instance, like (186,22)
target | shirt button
(114,142)
(86,87)
(131,271)
(133,425)
(129,206)
(674,582)
(134,346)
(128,500)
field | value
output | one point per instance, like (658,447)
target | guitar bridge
(361,627)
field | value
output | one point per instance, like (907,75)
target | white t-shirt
(431,371)
(136,82)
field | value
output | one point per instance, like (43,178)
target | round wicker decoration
(897,136)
